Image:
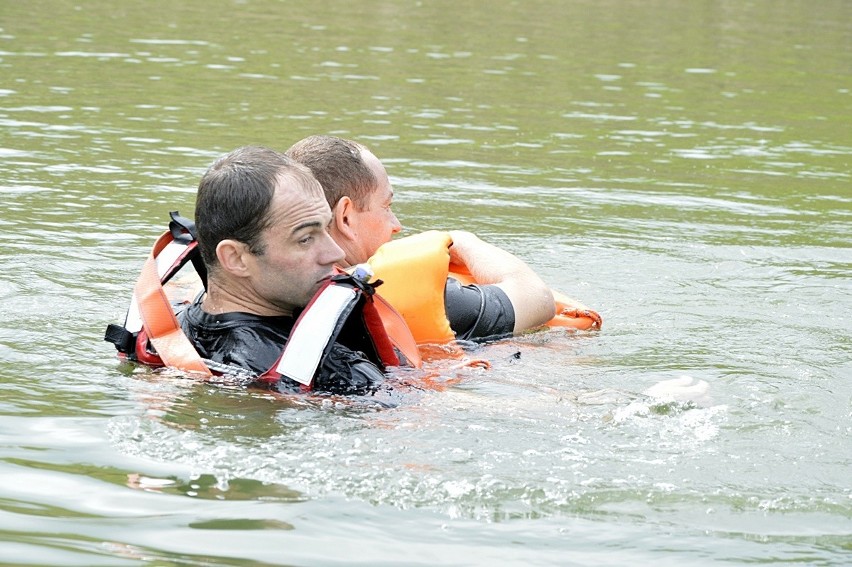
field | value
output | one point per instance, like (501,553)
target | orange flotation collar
(414,270)
(151,333)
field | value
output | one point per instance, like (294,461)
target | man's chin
(319,285)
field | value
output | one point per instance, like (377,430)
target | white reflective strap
(309,337)
(168,256)
(133,321)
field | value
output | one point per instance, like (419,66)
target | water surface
(683,168)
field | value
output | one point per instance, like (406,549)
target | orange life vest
(414,271)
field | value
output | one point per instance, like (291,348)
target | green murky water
(682,167)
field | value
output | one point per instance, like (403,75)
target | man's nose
(334,254)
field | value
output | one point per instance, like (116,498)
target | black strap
(183,230)
(124,340)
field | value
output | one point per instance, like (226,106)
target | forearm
(531,298)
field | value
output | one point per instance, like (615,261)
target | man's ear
(343,217)
(233,256)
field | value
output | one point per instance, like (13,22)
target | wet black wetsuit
(254,343)
(478,312)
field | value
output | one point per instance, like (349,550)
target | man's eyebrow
(306,224)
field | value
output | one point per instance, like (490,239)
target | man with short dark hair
(262,222)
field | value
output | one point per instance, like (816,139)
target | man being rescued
(495,294)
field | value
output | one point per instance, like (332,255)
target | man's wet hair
(338,165)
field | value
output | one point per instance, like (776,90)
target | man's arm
(531,299)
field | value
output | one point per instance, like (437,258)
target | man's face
(299,253)
(376,223)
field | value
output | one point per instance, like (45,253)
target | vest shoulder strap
(342,310)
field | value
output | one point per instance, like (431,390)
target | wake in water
(516,440)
